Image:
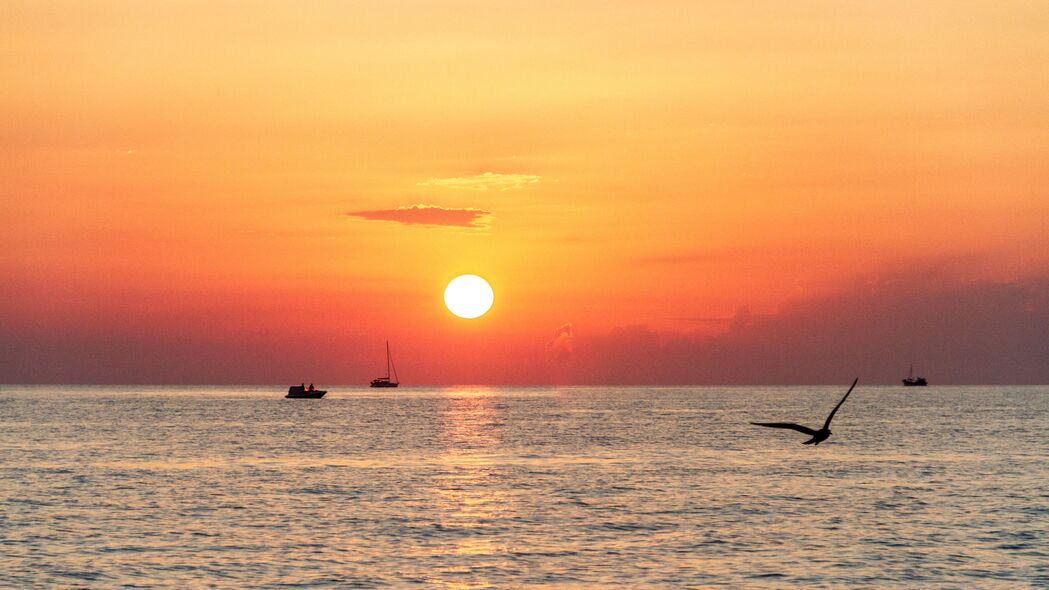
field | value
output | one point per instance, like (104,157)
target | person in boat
(303,386)
(311,387)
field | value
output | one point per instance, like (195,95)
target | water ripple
(510,488)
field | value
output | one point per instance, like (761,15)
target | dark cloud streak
(433,215)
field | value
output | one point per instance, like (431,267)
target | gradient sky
(659,192)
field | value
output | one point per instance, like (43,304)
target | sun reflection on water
(469,499)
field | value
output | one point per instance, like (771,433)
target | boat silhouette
(385,381)
(912,381)
(302,392)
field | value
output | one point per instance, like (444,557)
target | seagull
(818,436)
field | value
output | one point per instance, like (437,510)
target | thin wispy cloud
(484,182)
(467,217)
(560,345)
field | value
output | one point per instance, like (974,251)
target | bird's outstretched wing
(826,424)
(797,427)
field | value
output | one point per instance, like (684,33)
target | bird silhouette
(818,436)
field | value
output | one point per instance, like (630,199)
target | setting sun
(468,296)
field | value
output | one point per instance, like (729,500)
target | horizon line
(522,385)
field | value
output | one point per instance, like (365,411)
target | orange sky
(212,182)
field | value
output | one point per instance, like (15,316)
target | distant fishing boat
(303,392)
(385,381)
(912,381)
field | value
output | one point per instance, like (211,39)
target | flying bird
(818,436)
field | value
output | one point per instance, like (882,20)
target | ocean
(496,487)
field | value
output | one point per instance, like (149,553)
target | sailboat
(912,381)
(385,381)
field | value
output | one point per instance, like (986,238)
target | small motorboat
(303,392)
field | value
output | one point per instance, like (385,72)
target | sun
(468,296)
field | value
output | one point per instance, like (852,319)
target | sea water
(478,487)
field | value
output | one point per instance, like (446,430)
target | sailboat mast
(387,360)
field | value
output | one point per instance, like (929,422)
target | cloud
(429,215)
(741,319)
(563,330)
(484,182)
(560,345)
(736,321)
(975,331)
